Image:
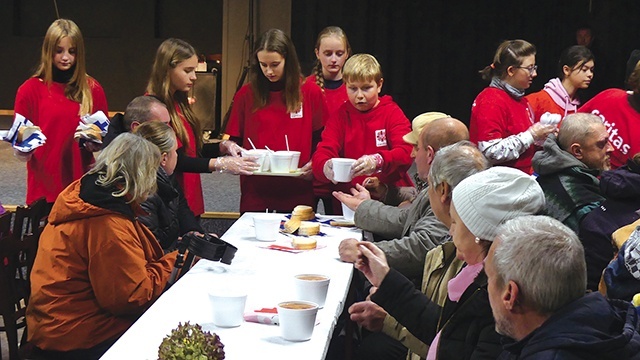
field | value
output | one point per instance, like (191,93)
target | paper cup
(295,159)
(347,213)
(267,227)
(228,307)
(297,319)
(312,287)
(280,161)
(261,157)
(342,169)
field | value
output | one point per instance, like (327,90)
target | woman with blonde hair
(55,98)
(168,214)
(99,268)
(172,78)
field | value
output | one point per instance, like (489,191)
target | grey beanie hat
(489,198)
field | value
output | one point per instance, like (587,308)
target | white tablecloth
(267,276)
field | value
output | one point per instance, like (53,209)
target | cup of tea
(267,226)
(312,287)
(342,169)
(228,307)
(297,319)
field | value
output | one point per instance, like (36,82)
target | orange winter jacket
(97,270)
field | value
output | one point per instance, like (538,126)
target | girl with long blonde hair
(172,78)
(54,98)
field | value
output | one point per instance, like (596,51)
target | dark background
(430,50)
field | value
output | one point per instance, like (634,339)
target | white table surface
(267,276)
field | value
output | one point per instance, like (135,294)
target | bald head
(442,132)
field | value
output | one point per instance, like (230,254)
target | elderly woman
(168,213)
(97,268)
(463,328)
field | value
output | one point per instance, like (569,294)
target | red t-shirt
(541,102)
(352,134)
(60,160)
(267,127)
(622,122)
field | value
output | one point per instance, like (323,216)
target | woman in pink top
(560,95)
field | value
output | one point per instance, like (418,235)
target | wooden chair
(18,250)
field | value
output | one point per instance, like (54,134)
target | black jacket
(116,127)
(169,214)
(621,188)
(468,328)
(591,327)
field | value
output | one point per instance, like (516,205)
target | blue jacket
(591,327)
(621,188)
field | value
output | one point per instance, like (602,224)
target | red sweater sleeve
(330,146)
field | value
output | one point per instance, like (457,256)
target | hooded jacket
(621,188)
(169,215)
(553,99)
(97,269)
(571,189)
(591,327)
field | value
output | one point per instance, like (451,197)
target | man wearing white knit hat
(463,328)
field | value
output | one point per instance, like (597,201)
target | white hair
(544,258)
(456,162)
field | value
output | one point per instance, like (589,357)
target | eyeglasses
(531,69)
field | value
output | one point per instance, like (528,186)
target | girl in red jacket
(55,98)
(502,122)
(560,95)
(172,77)
(276,103)
(332,50)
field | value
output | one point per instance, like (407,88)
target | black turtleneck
(277,86)
(63,76)
(332,84)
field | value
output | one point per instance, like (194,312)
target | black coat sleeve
(188,221)
(399,297)
(191,164)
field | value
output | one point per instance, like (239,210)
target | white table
(267,276)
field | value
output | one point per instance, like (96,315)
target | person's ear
(566,70)
(445,193)
(317,53)
(511,297)
(164,159)
(380,85)
(511,70)
(576,150)
(430,153)
(134,125)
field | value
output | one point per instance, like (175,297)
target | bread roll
(25,131)
(305,212)
(291,225)
(304,243)
(308,228)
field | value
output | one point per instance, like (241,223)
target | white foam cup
(297,319)
(261,157)
(312,287)
(280,161)
(228,307)
(342,169)
(267,226)
(347,213)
